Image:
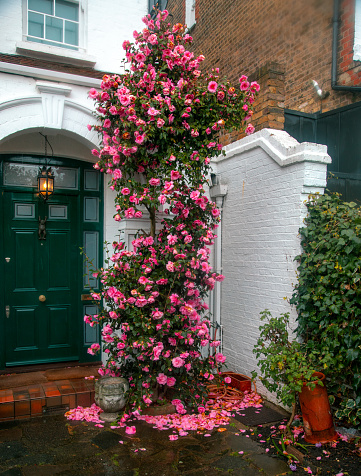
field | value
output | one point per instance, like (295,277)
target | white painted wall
(107,24)
(268,177)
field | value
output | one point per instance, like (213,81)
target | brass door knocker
(42,229)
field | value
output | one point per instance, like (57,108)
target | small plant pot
(316,413)
(239,381)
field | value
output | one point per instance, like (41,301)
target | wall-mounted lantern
(45,182)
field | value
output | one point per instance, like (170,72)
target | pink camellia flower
(160,122)
(107,123)
(194,195)
(154,181)
(177,362)
(212,86)
(244,86)
(162,199)
(153,112)
(93,349)
(168,186)
(157,314)
(139,139)
(250,129)
(220,358)
(153,40)
(93,93)
(215,212)
(172,239)
(255,86)
(125,191)
(117,174)
(171,381)
(170,266)
(130,430)
(124,99)
(175,175)
(220,95)
(147,400)
(173,437)
(227,380)
(139,57)
(129,213)
(162,379)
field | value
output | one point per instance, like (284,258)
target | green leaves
(328,296)
(285,366)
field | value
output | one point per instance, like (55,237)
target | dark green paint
(339,129)
(51,331)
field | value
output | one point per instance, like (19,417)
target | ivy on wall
(328,298)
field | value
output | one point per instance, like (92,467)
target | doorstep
(45,397)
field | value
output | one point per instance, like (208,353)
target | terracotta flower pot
(316,413)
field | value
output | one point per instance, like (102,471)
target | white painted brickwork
(268,177)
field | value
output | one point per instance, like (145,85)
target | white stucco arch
(50,113)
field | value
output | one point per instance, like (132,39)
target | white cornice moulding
(49,74)
(284,149)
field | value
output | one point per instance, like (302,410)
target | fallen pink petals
(217,416)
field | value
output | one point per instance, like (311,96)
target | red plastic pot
(239,381)
(316,413)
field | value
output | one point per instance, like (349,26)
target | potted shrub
(289,371)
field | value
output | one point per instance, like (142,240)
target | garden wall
(263,180)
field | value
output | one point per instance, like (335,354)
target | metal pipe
(335,28)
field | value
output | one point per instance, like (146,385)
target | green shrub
(328,298)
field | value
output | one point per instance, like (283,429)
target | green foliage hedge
(328,298)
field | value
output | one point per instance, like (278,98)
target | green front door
(42,273)
(44,283)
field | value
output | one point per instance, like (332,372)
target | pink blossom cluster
(159,125)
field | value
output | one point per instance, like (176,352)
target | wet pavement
(51,445)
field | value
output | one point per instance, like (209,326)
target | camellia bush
(160,123)
(328,298)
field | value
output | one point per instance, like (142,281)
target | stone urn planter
(110,396)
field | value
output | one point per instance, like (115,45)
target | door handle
(42,298)
(7,312)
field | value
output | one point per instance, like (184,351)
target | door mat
(260,416)
(71,373)
(21,380)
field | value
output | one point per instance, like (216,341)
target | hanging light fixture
(45,177)
(45,182)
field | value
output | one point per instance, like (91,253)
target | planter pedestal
(316,413)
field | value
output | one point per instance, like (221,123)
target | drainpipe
(217,193)
(335,29)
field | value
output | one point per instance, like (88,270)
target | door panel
(25,270)
(58,266)
(26,332)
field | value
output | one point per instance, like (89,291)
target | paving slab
(53,446)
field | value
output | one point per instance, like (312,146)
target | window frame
(46,41)
(357,32)
(190,13)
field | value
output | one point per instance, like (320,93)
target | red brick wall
(242,36)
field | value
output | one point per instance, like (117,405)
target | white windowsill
(55,53)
